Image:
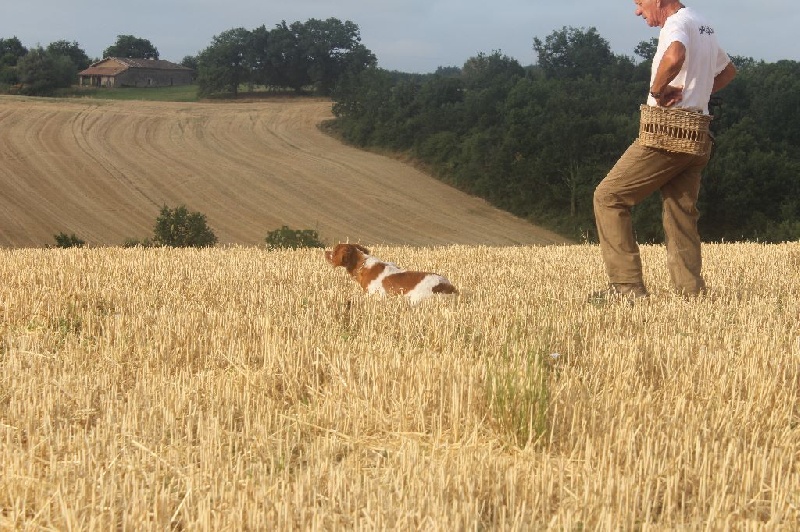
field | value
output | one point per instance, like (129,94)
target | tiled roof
(158,64)
(117,65)
(102,71)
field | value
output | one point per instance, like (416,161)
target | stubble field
(240,389)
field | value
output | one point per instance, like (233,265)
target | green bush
(180,228)
(41,72)
(63,240)
(135,242)
(293,238)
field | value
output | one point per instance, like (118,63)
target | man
(688,67)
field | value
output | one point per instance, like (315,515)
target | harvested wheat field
(102,170)
(241,389)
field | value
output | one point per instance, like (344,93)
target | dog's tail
(445,288)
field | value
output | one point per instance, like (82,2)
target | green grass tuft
(519,397)
(179,93)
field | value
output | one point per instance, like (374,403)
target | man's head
(655,12)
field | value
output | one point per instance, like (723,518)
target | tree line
(302,56)
(313,55)
(40,71)
(536,140)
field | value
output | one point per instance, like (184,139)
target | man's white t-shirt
(704,57)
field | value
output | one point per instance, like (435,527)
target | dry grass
(241,389)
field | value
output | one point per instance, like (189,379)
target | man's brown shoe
(620,292)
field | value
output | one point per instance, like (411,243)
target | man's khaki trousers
(638,173)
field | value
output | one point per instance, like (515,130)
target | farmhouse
(126,72)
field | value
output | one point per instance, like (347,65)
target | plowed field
(103,169)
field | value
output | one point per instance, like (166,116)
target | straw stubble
(237,388)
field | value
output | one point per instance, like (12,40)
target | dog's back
(379,277)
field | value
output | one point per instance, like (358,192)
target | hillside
(102,170)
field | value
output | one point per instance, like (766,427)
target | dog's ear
(348,256)
(352,255)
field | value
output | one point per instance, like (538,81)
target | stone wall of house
(143,77)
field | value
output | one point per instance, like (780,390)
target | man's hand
(670,96)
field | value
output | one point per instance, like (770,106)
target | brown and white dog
(378,277)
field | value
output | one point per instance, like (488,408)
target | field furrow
(103,169)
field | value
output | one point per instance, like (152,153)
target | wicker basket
(677,130)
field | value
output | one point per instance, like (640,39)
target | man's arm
(724,77)
(669,67)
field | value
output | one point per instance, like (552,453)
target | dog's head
(346,255)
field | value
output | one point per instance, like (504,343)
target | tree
(573,53)
(190,61)
(131,47)
(775,100)
(11,51)
(71,50)
(286,59)
(487,80)
(361,106)
(647,49)
(180,228)
(331,48)
(441,102)
(448,72)
(486,71)
(40,73)
(316,53)
(226,63)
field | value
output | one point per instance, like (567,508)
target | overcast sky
(405,35)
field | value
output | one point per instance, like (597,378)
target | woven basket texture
(676,130)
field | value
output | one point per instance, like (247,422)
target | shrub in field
(180,228)
(63,240)
(135,242)
(293,238)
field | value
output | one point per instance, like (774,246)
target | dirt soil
(102,170)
